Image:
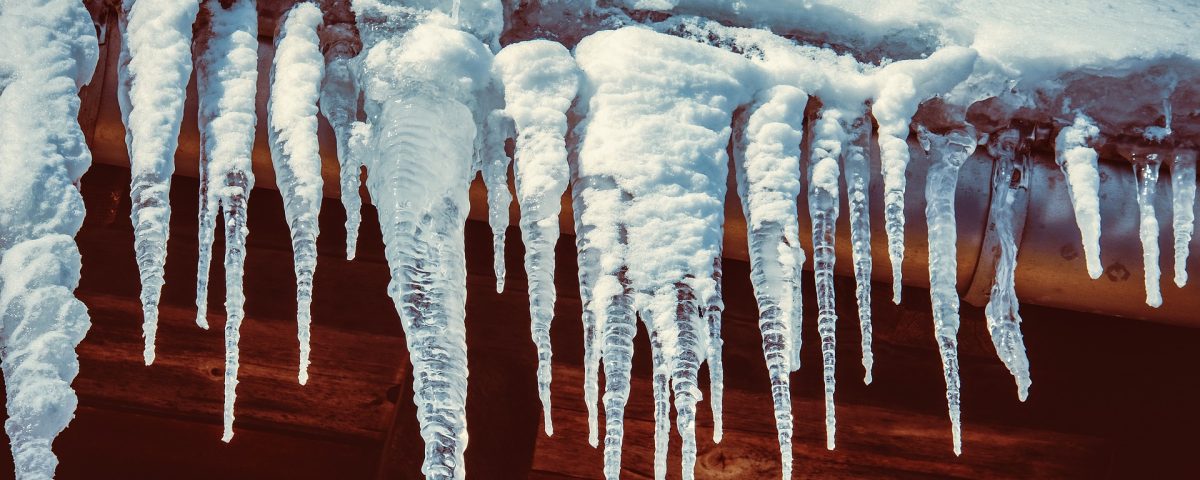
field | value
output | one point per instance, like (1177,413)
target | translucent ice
(1002,311)
(1183,203)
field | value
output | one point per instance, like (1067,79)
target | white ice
(421,86)
(767,164)
(653,155)
(296,74)
(1145,172)
(1002,310)
(1183,205)
(947,153)
(155,64)
(1075,156)
(50,53)
(540,81)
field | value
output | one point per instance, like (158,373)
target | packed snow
(53,51)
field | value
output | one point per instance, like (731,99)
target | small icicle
(1078,162)
(856,161)
(338,102)
(155,64)
(767,165)
(497,129)
(540,81)
(1003,316)
(1145,171)
(662,400)
(227,79)
(1183,202)
(829,134)
(713,308)
(296,75)
(947,153)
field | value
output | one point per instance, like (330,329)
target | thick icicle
(1183,202)
(292,129)
(226,80)
(43,154)
(1003,315)
(658,145)
(767,164)
(540,82)
(947,153)
(155,64)
(1145,172)
(420,85)
(829,134)
(339,104)
(856,161)
(498,129)
(1078,162)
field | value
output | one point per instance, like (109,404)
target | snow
(155,64)
(1078,162)
(1183,205)
(296,74)
(42,156)
(767,164)
(653,154)
(1002,310)
(947,153)
(540,81)
(1145,172)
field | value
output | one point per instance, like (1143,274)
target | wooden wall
(1111,398)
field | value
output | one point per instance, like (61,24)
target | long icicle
(1145,172)
(1075,156)
(767,165)
(1183,201)
(498,129)
(540,82)
(227,79)
(947,153)
(823,174)
(43,154)
(155,65)
(856,161)
(1002,310)
(292,130)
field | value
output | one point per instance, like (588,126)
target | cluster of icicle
(51,52)
(428,104)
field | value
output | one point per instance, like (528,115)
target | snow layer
(296,75)
(653,153)
(540,81)
(42,156)
(155,64)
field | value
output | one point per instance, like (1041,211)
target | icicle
(50,53)
(226,79)
(823,173)
(339,104)
(947,153)
(540,82)
(292,129)
(903,86)
(1003,316)
(499,128)
(713,308)
(1183,202)
(767,164)
(662,400)
(1145,171)
(420,84)
(1078,162)
(856,162)
(155,65)
(653,155)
